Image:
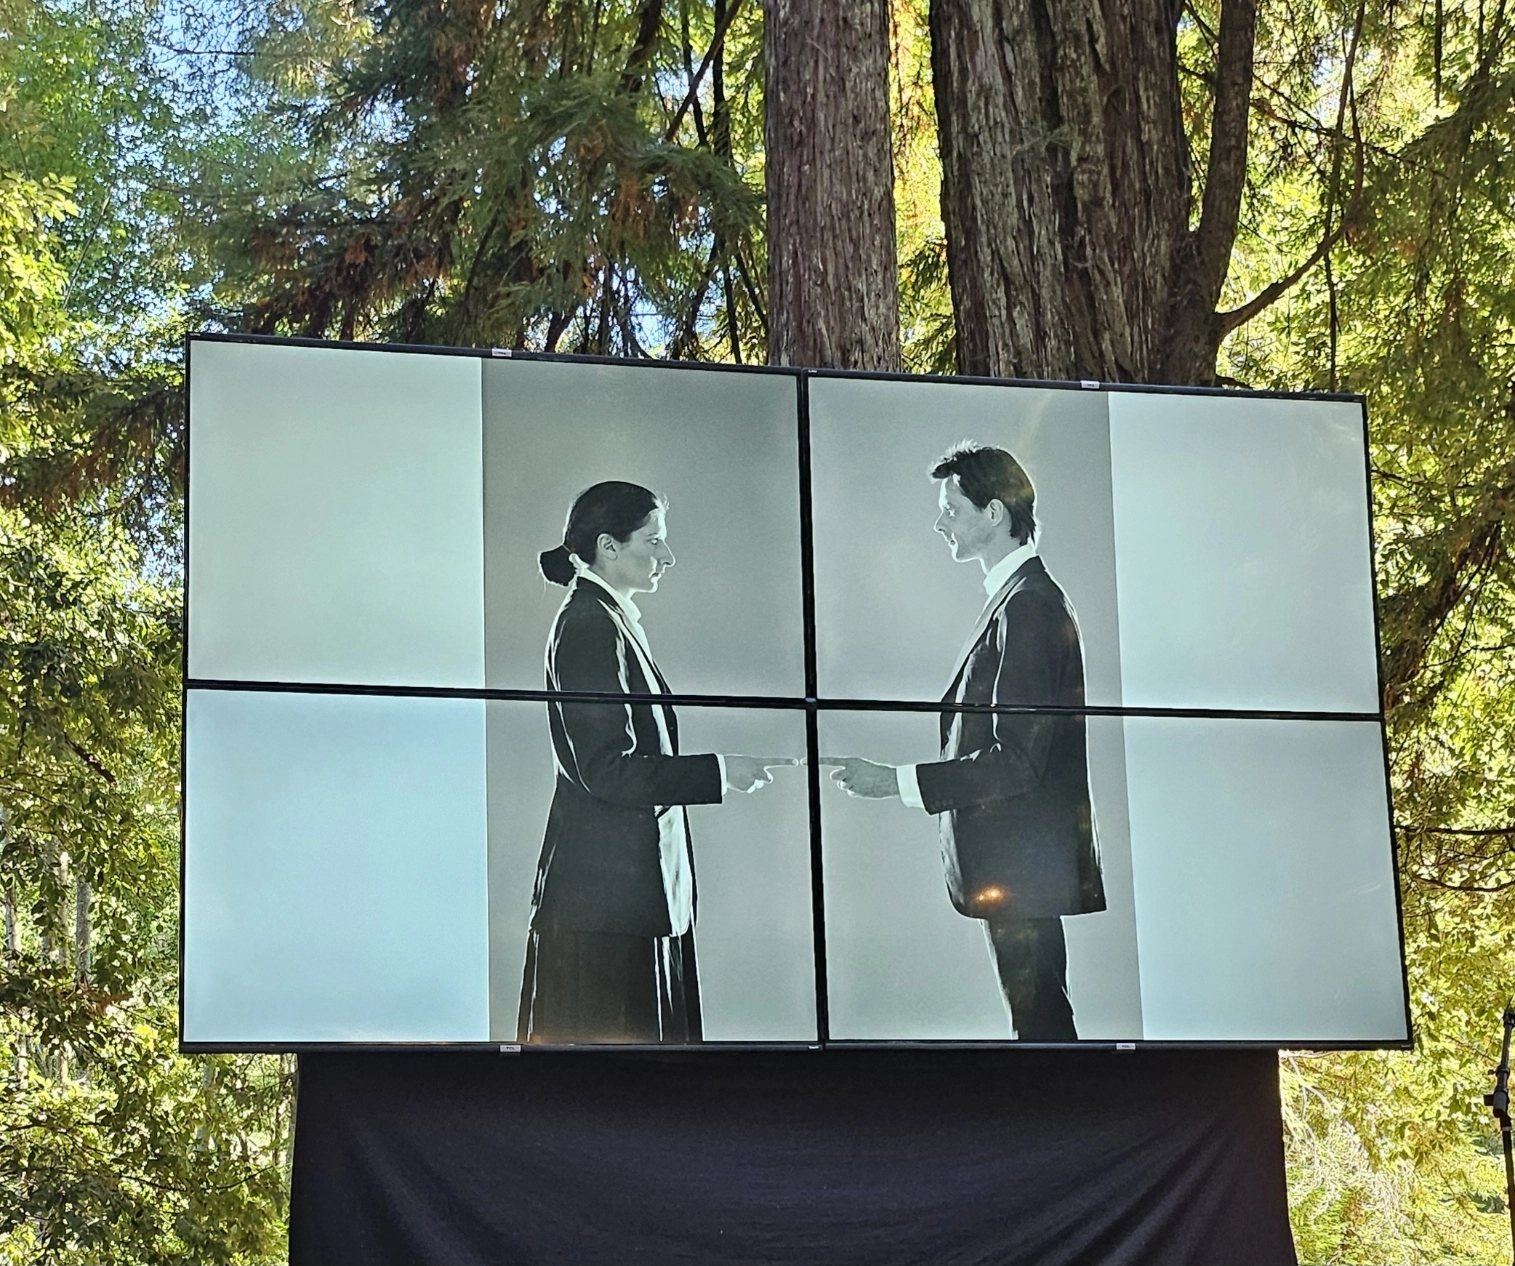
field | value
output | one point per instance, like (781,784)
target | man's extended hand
(864,778)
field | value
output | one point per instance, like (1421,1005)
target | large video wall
(554,703)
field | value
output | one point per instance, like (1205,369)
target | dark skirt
(599,987)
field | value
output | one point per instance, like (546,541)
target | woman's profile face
(636,564)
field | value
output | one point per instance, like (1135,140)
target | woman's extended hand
(748,773)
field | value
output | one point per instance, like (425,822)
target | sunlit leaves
(530,174)
(113,1148)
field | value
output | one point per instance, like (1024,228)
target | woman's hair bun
(557,565)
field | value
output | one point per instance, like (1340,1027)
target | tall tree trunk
(81,930)
(1066,187)
(12,948)
(833,282)
(12,944)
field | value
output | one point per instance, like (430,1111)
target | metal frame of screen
(811,704)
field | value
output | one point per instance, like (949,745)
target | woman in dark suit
(610,954)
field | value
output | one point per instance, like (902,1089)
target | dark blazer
(600,870)
(1012,789)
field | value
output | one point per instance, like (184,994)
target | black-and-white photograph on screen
(1023,823)
(600,866)
(898,549)
(994,902)
(609,943)
(719,451)
(649,878)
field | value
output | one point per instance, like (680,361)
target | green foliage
(31,279)
(86,112)
(113,1148)
(928,336)
(531,174)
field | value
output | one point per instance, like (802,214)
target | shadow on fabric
(867,1157)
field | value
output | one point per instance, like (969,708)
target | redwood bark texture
(1066,188)
(833,281)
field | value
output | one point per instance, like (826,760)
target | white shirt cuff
(721,761)
(909,785)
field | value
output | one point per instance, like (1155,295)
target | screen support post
(1499,1102)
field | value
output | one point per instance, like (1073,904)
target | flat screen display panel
(545,702)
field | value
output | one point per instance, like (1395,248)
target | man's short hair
(984,474)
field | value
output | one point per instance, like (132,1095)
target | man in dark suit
(1011,789)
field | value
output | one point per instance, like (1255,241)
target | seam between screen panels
(788,703)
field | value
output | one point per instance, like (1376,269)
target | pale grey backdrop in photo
(721,446)
(902,964)
(892,608)
(754,932)
(1265,898)
(334,869)
(335,517)
(1246,578)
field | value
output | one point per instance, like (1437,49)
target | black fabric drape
(867,1157)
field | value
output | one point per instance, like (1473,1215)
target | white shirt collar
(1007,567)
(622,600)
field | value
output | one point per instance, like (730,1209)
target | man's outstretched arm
(1034,650)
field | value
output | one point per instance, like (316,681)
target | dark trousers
(1031,957)
(594,987)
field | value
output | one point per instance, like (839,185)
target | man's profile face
(968,530)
